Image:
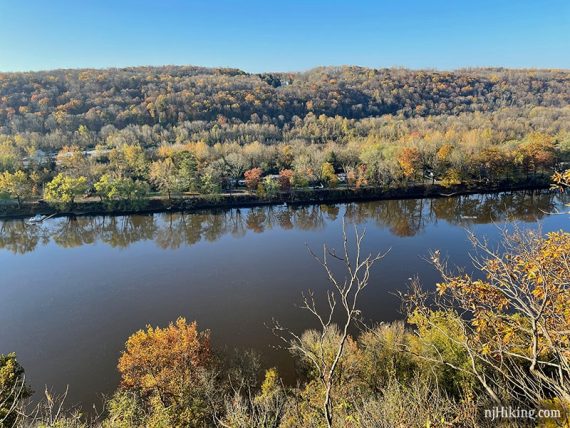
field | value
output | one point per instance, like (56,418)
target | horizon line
(299,71)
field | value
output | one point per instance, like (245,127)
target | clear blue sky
(284,35)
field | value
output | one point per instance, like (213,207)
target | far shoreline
(248,200)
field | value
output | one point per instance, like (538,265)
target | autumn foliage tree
(129,160)
(538,151)
(72,161)
(165,176)
(464,126)
(285,178)
(516,324)
(16,185)
(13,390)
(63,189)
(409,161)
(253,178)
(328,174)
(170,366)
(562,179)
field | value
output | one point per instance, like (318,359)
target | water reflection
(404,218)
(115,276)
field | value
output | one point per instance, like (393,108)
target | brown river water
(73,289)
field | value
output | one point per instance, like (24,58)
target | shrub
(13,389)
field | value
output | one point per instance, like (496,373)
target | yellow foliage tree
(518,315)
(328,174)
(562,179)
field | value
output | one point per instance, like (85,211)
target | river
(73,289)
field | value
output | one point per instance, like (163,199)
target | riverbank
(246,199)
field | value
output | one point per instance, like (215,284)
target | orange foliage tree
(285,176)
(359,177)
(169,364)
(409,160)
(252,178)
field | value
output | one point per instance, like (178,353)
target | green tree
(187,170)
(268,187)
(122,192)
(17,185)
(210,181)
(64,189)
(299,180)
(9,156)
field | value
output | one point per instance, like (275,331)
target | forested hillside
(121,133)
(65,99)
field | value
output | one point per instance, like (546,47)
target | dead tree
(342,299)
(12,400)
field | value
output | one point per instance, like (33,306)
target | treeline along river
(73,289)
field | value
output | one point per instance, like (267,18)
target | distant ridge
(167,95)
